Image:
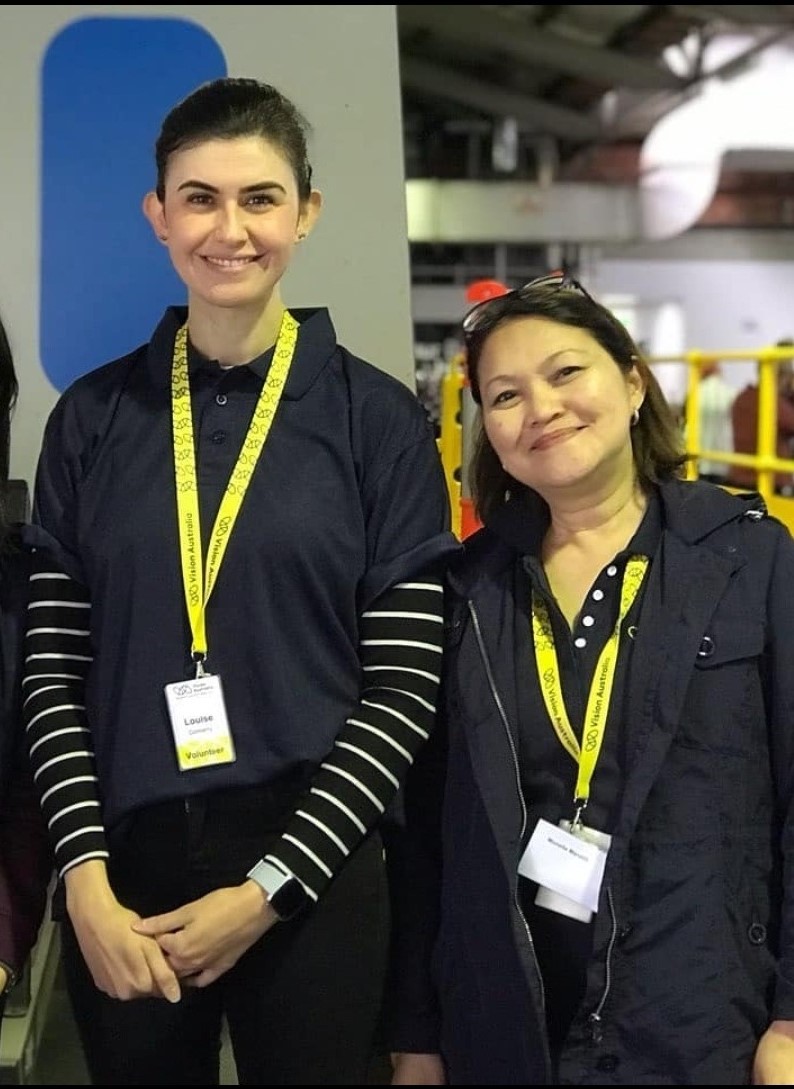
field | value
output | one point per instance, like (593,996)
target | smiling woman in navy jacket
(241,533)
(602,852)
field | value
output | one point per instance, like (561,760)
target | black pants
(302,1005)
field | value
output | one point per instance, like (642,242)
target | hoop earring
(635,417)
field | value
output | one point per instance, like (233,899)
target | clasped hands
(133,957)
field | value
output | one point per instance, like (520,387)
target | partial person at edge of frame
(601,823)
(26,864)
(220,846)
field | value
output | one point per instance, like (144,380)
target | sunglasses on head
(490,310)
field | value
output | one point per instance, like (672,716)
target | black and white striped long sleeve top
(400,650)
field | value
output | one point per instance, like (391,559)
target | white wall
(716,290)
(339,63)
(735,288)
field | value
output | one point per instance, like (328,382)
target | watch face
(289,899)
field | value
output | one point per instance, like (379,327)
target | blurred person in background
(745,426)
(25,860)
(715,401)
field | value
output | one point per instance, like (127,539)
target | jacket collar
(691,510)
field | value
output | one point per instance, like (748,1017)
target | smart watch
(289,900)
(12,978)
(285,893)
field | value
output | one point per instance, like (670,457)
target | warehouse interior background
(642,146)
(648,148)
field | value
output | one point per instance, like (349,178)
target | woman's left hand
(205,938)
(774,1056)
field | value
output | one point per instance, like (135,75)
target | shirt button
(612,570)
(607,1064)
(221,399)
(588,621)
(218,437)
(598,595)
(756,932)
(580,642)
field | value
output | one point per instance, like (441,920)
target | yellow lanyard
(198,585)
(600,688)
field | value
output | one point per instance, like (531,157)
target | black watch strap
(289,900)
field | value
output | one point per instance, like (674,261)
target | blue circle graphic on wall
(107,83)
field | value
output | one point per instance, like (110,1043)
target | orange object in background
(477,292)
(469,522)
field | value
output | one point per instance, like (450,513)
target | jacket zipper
(594,1019)
(503,716)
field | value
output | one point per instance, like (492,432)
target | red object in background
(480,290)
(469,522)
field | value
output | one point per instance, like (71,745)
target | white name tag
(571,865)
(199,722)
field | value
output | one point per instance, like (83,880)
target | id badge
(199,722)
(569,866)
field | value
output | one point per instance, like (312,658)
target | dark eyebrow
(549,360)
(257,187)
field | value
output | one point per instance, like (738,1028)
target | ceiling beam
(532,114)
(522,41)
(741,14)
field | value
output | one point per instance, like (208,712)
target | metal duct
(743,116)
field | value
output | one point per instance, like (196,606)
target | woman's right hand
(412,1068)
(123,964)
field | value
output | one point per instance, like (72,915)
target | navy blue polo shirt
(348,498)
(548,772)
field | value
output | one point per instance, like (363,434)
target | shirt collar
(316,345)
(198,363)
(649,532)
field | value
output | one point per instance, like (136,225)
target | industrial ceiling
(568,93)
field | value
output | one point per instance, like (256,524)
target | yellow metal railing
(450,442)
(765,460)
